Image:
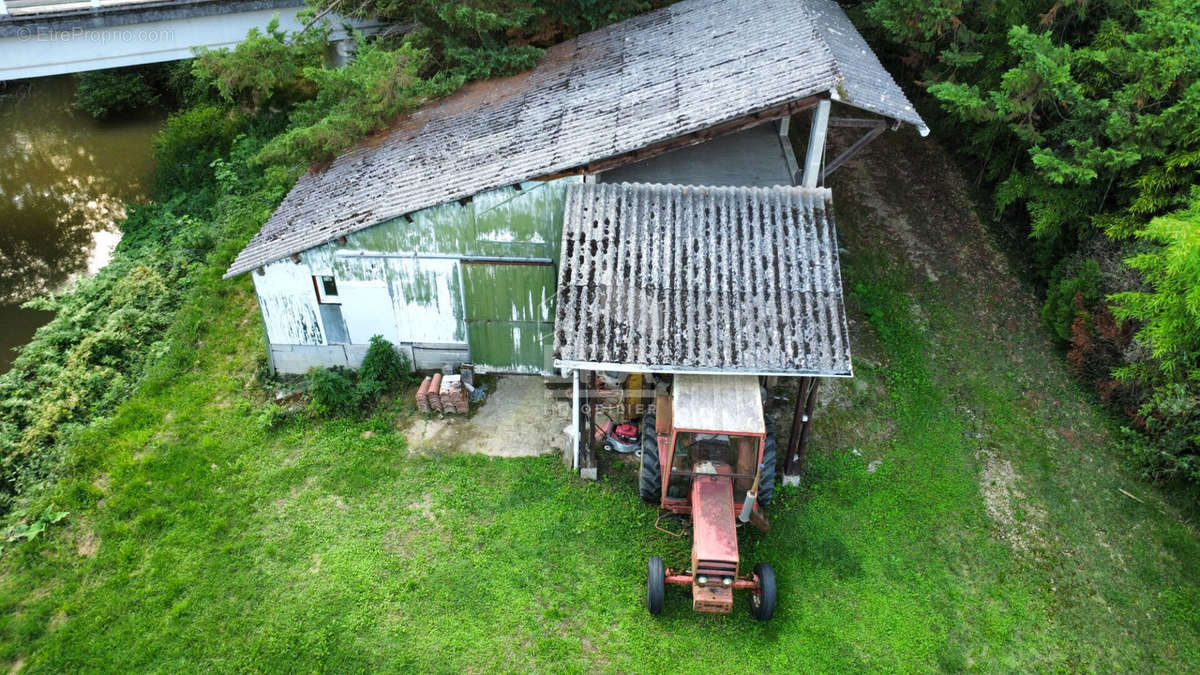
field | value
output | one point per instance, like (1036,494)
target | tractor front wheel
(650,475)
(762,600)
(656,582)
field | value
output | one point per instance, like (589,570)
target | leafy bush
(383,370)
(336,391)
(1077,111)
(354,101)
(1168,314)
(1074,286)
(103,93)
(265,69)
(187,146)
(332,391)
(274,416)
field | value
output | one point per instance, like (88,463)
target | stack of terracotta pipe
(444,394)
(454,396)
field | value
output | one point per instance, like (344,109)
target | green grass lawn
(961,510)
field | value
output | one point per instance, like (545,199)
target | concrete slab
(521,418)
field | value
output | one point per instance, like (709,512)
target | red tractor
(709,454)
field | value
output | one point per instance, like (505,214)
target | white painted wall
(366,300)
(290,315)
(436,316)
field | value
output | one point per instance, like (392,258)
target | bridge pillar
(343,51)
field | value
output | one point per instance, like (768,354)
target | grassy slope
(992,534)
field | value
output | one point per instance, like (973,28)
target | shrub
(1074,287)
(263,70)
(1168,315)
(188,144)
(332,391)
(383,369)
(103,93)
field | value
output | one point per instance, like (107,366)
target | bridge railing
(26,7)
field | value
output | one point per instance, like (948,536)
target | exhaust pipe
(751,496)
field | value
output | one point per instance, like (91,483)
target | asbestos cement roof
(678,279)
(676,71)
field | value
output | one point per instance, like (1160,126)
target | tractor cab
(707,426)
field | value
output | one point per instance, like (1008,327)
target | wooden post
(806,398)
(808,412)
(861,143)
(587,449)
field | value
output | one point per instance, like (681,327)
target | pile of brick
(445,394)
(454,395)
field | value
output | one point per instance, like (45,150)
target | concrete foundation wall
(299,359)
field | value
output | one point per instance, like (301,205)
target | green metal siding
(507,309)
(510,315)
(505,222)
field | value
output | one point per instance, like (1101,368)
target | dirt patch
(283,502)
(399,540)
(425,506)
(521,418)
(87,544)
(1017,518)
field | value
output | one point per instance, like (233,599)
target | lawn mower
(619,438)
(708,453)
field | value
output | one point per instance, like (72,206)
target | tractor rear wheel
(766,486)
(650,474)
(762,601)
(656,582)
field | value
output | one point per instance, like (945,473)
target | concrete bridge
(52,37)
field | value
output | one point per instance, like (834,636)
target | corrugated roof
(670,278)
(687,67)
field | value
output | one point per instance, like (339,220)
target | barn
(446,235)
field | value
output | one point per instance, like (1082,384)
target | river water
(63,181)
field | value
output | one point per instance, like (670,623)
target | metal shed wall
(756,157)
(670,278)
(461,281)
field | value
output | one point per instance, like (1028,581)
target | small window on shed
(327,290)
